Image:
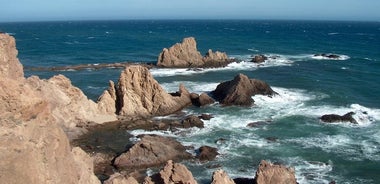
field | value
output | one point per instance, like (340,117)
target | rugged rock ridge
(11,67)
(186,55)
(240,90)
(269,173)
(137,93)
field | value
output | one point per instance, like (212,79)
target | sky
(50,10)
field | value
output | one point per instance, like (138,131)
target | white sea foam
(310,172)
(340,58)
(196,87)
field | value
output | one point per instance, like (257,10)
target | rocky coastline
(41,119)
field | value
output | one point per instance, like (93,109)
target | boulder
(192,121)
(151,150)
(172,173)
(206,116)
(240,90)
(117,178)
(268,173)
(10,66)
(221,177)
(186,55)
(202,100)
(207,153)
(333,118)
(138,94)
(259,58)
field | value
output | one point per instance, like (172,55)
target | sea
(308,86)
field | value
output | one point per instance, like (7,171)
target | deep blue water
(308,86)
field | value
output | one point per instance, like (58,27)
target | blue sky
(35,10)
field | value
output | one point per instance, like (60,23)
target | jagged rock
(259,58)
(10,66)
(139,94)
(69,105)
(151,150)
(33,147)
(186,55)
(192,121)
(221,177)
(332,118)
(207,153)
(240,90)
(107,101)
(201,100)
(205,116)
(117,178)
(268,173)
(172,173)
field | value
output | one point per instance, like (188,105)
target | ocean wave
(310,172)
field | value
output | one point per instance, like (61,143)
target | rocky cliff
(186,55)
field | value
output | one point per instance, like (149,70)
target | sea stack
(186,55)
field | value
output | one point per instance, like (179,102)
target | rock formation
(221,177)
(172,173)
(333,118)
(151,150)
(11,67)
(139,94)
(186,55)
(259,58)
(192,121)
(117,178)
(207,153)
(240,90)
(201,100)
(268,173)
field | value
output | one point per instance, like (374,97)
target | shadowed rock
(240,90)
(207,153)
(333,118)
(259,58)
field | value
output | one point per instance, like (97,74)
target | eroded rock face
(139,94)
(151,150)
(221,177)
(33,147)
(240,90)
(186,55)
(172,173)
(268,173)
(117,178)
(10,66)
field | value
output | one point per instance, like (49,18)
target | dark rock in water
(205,116)
(330,56)
(221,141)
(201,100)
(333,118)
(259,58)
(271,139)
(207,153)
(258,124)
(150,151)
(192,121)
(240,90)
(244,181)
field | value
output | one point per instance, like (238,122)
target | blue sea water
(308,86)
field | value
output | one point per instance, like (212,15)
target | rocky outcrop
(33,147)
(172,173)
(327,56)
(151,150)
(117,178)
(186,55)
(207,153)
(10,66)
(221,177)
(201,100)
(334,118)
(192,121)
(139,94)
(268,173)
(259,58)
(240,90)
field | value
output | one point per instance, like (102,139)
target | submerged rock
(186,55)
(259,58)
(328,56)
(151,150)
(268,173)
(333,118)
(240,90)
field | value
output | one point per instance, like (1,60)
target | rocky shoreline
(39,117)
